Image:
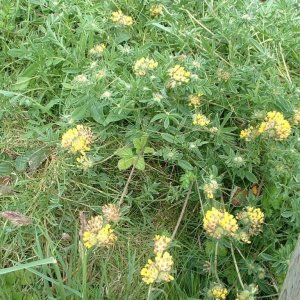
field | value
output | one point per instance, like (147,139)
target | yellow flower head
(156,10)
(296,118)
(200,119)
(161,243)
(195,100)
(111,212)
(159,269)
(252,217)
(275,126)
(210,189)
(219,223)
(119,18)
(98,50)
(98,234)
(89,239)
(106,237)
(77,139)
(179,74)
(218,292)
(142,65)
(247,134)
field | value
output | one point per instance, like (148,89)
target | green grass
(244,57)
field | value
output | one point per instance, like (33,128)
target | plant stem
(216,263)
(149,292)
(182,211)
(84,275)
(125,190)
(236,266)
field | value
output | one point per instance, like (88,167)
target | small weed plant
(149,149)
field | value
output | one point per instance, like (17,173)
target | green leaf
(140,143)
(122,37)
(37,158)
(125,163)
(124,152)
(185,165)
(5,168)
(21,162)
(97,113)
(251,177)
(140,163)
(21,84)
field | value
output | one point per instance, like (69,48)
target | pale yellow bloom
(161,243)
(195,100)
(159,269)
(210,189)
(98,50)
(296,117)
(275,126)
(179,74)
(121,19)
(156,10)
(200,119)
(81,79)
(142,65)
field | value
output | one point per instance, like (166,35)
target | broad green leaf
(125,163)
(124,152)
(21,84)
(37,158)
(140,143)
(21,162)
(140,163)
(5,168)
(97,113)
(185,165)
(251,177)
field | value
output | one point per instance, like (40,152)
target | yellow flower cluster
(195,100)
(200,119)
(119,18)
(77,139)
(80,79)
(219,223)
(98,232)
(275,126)
(179,74)
(248,133)
(218,292)
(210,189)
(142,65)
(159,269)
(161,243)
(156,10)
(253,218)
(296,118)
(98,50)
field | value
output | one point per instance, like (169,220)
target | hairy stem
(182,211)
(216,262)
(236,266)
(125,190)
